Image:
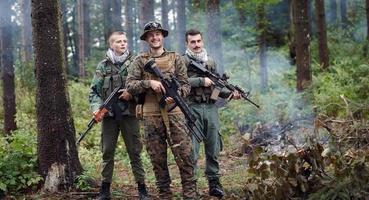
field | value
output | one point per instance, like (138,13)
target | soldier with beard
(111,73)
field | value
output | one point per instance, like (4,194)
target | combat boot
(104,191)
(142,192)
(215,188)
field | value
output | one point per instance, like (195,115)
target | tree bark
(301,20)
(117,15)
(128,12)
(261,27)
(322,34)
(332,17)
(146,15)
(214,33)
(81,37)
(57,155)
(107,12)
(291,33)
(181,27)
(164,20)
(7,62)
(344,20)
(26,31)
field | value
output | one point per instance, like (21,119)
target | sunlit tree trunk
(213,32)
(261,27)
(301,20)
(181,25)
(57,155)
(26,31)
(6,46)
(322,34)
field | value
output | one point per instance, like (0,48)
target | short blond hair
(111,40)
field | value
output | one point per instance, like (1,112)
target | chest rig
(201,94)
(114,76)
(166,65)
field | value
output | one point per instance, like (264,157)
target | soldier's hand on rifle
(157,86)
(236,95)
(125,95)
(208,82)
(169,100)
(98,115)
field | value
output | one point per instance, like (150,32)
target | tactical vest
(200,94)
(166,64)
(114,76)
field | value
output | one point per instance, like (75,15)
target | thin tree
(128,12)
(81,15)
(57,156)
(146,15)
(107,12)
(367,19)
(291,32)
(164,21)
(181,25)
(261,27)
(26,31)
(301,20)
(322,34)
(7,65)
(332,17)
(344,19)
(117,14)
(214,38)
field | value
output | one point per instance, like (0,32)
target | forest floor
(233,172)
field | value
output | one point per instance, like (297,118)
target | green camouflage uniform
(120,118)
(158,136)
(206,113)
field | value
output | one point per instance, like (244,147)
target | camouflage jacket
(138,79)
(108,76)
(200,93)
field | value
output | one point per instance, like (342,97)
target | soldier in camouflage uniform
(111,73)
(204,108)
(163,128)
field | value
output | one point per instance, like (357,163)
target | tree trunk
(117,15)
(26,31)
(291,33)
(128,11)
(107,12)
(332,17)
(214,33)
(146,15)
(164,20)
(7,65)
(344,20)
(181,27)
(57,155)
(322,34)
(301,20)
(367,19)
(81,37)
(66,32)
(261,27)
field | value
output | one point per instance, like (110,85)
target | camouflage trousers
(157,140)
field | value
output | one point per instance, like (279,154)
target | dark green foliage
(18,165)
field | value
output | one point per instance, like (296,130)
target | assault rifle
(103,109)
(221,82)
(171,90)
